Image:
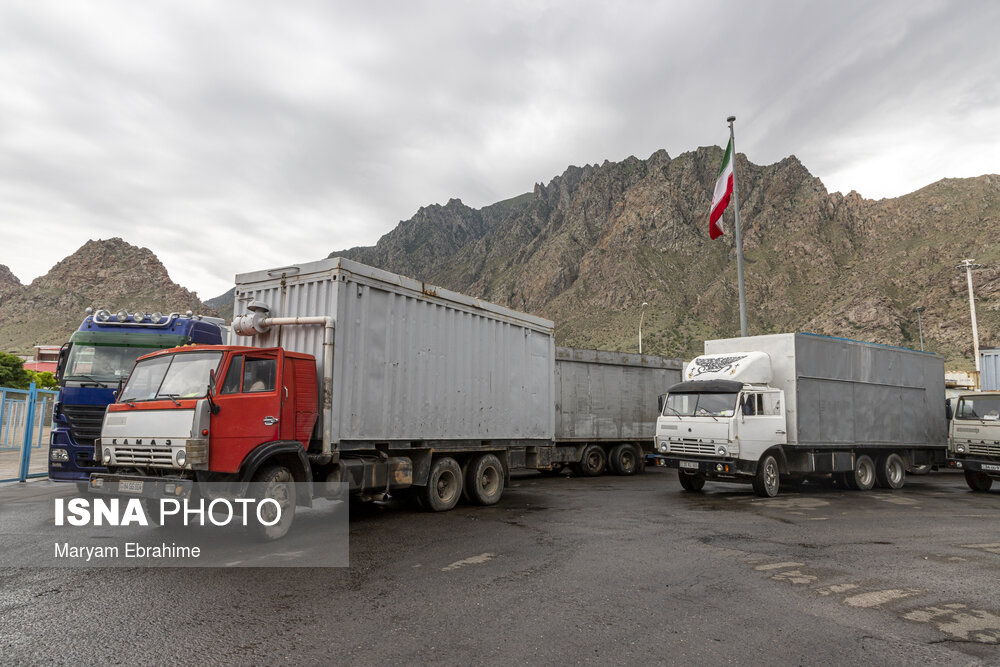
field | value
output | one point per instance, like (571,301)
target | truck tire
(978,481)
(625,460)
(273,483)
(484,480)
(691,482)
(862,478)
(767,480)
(890,471)
(444,485)
(592,461)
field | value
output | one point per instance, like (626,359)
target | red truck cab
(210,412)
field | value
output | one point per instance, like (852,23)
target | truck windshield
(182,375)
(101,363)
(979,407)
(700,405)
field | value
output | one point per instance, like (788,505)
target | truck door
(249,399)
(760,423)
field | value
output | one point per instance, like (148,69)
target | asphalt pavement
(563,570)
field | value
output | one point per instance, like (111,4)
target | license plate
(129,486)
(989,466)
(689,464)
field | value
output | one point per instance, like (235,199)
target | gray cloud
(232,136)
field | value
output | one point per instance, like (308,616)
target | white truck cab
(974,437)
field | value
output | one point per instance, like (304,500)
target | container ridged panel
(409,368)
(609,396)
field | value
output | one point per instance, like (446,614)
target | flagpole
(739,238)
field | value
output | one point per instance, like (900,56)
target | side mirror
(211,390)
(949,414)
(61,363)
(660,402)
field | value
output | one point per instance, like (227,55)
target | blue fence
(25,425)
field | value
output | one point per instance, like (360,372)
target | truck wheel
(444,485)
(273,483)
(890,473)
(767,481)
(484,480)
(624,460)
(691,482)
(592,461)
(978,481)
(863,476)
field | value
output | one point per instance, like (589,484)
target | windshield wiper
(95,381)
(172,397)
(672,410)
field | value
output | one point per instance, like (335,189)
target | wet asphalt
(564,570)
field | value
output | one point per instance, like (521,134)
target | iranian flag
(723,190)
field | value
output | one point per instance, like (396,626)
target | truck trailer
(974,437)
(798,405)
(343,373)
(93,365)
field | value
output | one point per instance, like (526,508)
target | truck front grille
(149,456)
(84,422)
(984,449)
(700,448)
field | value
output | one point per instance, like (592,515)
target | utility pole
(968,265)
(642,314)
(920,326)
(739,238)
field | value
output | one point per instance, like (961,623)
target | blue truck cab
(92,367)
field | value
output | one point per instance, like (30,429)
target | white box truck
(796,405)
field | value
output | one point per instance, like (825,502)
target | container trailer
(343,373)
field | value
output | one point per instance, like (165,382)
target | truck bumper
(989,466)
(140,487)
(708,466)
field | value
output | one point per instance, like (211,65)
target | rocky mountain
(587,249)
(223,304)
(102,274)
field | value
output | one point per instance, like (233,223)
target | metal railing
(25,427)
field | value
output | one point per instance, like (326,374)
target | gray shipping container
(412,362)
(841,392)
(609,396)
(989,364)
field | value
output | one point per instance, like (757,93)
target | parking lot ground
(567,570)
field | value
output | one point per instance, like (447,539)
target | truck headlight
(721,451)
(663,447)
(107,455)
(58,454)
(960,449)
(181,458)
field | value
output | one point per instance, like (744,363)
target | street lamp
(920,326)
(968,265)
(642,314)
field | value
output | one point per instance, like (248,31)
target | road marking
(877,598)
(836,588)
(804,503)
(991,547)
(778,566)
(473,560)
(795,577)
(961,622)
(897,500)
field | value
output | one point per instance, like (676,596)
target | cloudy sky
(234,136)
